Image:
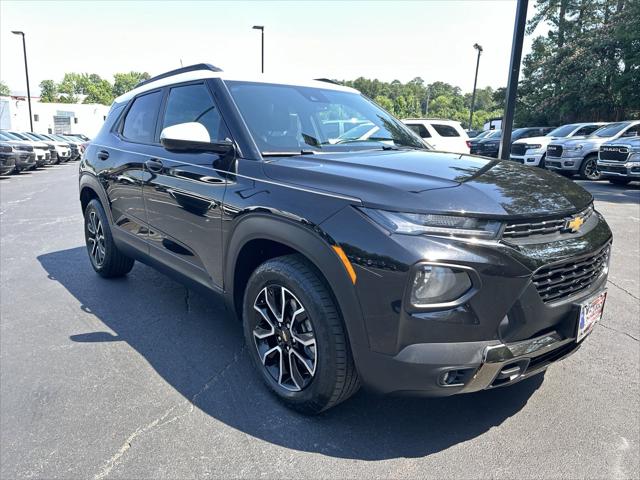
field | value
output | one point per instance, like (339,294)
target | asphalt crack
(619,331)
(162,420)
(187,304)
(623,289)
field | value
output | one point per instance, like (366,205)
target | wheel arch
(90,189)
(280,237)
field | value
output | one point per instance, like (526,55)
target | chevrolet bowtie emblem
(575,223)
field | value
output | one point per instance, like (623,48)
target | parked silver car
(619,160)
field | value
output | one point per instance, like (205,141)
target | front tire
(106,259)
(542,163)
(589,168)
(296,337)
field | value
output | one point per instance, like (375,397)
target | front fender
(315,245)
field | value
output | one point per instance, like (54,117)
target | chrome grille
(544,227)
(612,153)
(554,151)
(565,279)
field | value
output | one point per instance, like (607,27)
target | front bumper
(570,164)
(25,161)
(532,159)
(619,169)
(505,324)
(7,163)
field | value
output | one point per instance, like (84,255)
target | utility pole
(475,82)
(514,73)
(26,72)
(261,28)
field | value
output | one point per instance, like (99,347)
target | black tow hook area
(510,372)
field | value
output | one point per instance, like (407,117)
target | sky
(307,39)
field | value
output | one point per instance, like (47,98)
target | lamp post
(512,83)
(26,72)
(261,28)
(475,81)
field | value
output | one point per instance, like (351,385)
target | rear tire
(106,259)
(619,181)
(301,350)
(589,168)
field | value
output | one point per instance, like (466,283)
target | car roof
(206,74)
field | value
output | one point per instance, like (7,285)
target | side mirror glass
(192,136)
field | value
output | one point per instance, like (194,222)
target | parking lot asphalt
(141,378)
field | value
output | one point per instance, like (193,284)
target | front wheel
(106,259)
(296,337)
(589,168)
(542,163)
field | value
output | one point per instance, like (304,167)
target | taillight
(468,143)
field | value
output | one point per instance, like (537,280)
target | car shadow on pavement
(197,348)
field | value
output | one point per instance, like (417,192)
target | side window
(632,131)
(192,103)
(445,130)
(420,130)
(140,123)
(588,130)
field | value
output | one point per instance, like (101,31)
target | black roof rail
(190,68)
(327,80)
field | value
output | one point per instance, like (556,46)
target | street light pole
(475,82)
(512,84)
(26,72)
(261,28)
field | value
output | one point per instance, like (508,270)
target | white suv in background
(532,151)
(443,135)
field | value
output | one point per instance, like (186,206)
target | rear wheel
(106,259)
(589,168)
(619,181)
(296,337)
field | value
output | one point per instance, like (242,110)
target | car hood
(434,182)
(588,143)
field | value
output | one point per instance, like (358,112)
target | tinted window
(445,130)
(588,130)
(421,130)
(192,103)
(610,130)
(140,124)
(632,132)
(562,131)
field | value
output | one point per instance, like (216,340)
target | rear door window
(588,130)
(445,130)
(140,122)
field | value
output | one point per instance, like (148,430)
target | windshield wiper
(288,154)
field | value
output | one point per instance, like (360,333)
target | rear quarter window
(445,130)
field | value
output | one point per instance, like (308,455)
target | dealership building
(86,118)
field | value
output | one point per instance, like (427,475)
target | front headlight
(436,284)
(442,225)
(532,146)
(634,157)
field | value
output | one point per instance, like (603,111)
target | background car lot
(158,384)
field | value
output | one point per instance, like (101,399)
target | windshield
(563,131)
(34,136)
(287,119)
(8,136)
(483,134)
(610,130)
(20,136)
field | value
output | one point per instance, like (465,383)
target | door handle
(154,165)
(103,154)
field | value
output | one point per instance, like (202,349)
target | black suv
(363,261)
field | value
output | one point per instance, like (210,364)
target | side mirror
(192,137)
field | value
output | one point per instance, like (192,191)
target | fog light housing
(569,163)
(438,284)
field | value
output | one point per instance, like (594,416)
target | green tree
(48,91)
(123,82)
(4,88)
